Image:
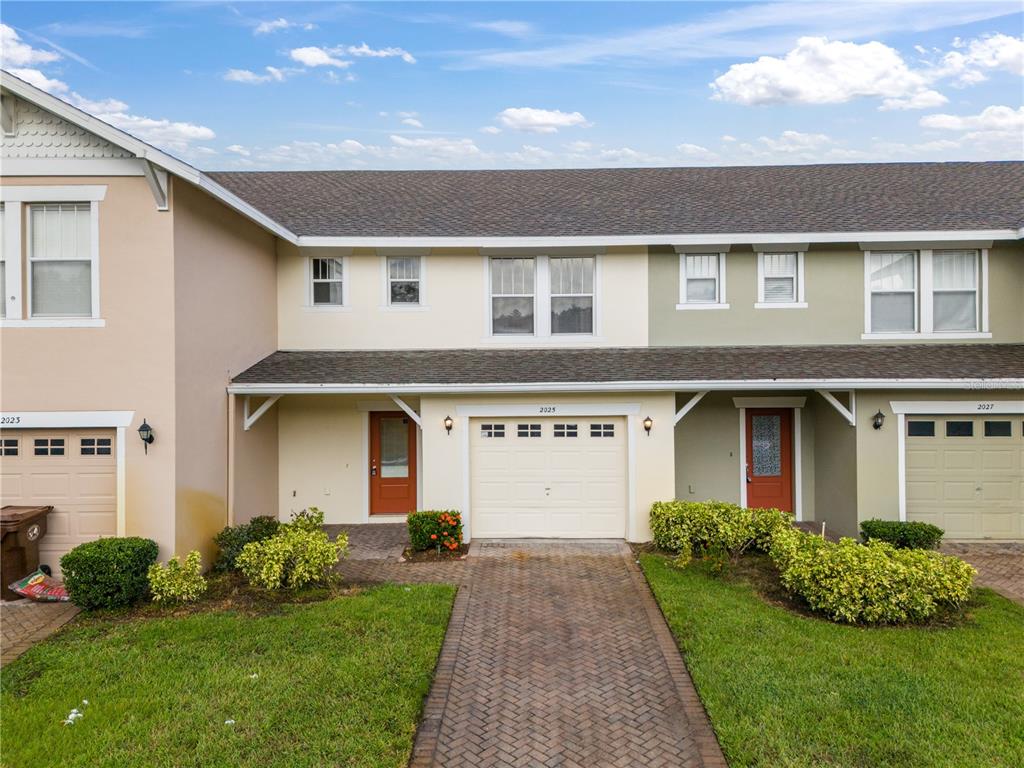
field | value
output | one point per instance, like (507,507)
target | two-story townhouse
(133,288)
(551,351)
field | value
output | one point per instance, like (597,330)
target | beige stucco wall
(225,288)
(455,295)
(835,468)
(834,287)
(129,364)
(878,450)
(707,449)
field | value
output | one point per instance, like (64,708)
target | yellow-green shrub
(297,555)
(177,581)
(686,527)
(870,584)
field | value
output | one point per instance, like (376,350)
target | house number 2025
(547,409)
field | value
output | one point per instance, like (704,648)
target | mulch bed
(434,556)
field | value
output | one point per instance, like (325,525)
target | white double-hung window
(404,280)
(327,287)
(60,260)
(701,281)
(513,296)
(542,296)
(780,280)
(572,294)
(926,293)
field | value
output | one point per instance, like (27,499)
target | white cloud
(505,27)
(920,100)
(490,129)
(238,149)
(413,122)
(438,147)
(379,53)
(695,152)
(540,120)
(821,71)
(969,60)
(273,74)
(794,141)
(626,155)
(727,137)
(994,118)
(530,155)
(579,146)
(266,27)
(311,56)
(173,135)
(16,53)
(104,106)
(39,80)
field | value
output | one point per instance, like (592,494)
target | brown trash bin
(22,528)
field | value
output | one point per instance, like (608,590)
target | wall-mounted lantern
(448,424)
(878,420)
(648,423)
(146,433)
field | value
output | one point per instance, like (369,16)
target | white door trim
(795,404)
(901,463)
(467,412)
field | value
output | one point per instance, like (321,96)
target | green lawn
(784,689)
(338,682)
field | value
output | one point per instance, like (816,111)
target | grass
(785,689)
(337,682)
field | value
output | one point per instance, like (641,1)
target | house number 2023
(548,409)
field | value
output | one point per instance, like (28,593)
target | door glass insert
(394,448)
(766,439)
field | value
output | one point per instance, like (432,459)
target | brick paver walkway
(1000,566)
(24,623)
(557,655)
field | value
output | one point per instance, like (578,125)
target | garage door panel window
(998,429)
(9,446)
(959,429)
(528,430)
(96,446)
(492,430)
(566,430)
(920,429)
(602,430)
(52,446)
(60,260)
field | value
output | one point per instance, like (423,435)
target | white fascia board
(980,407)
(623,386)
(140,149)
(594,241)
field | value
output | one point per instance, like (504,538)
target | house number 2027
(547,409)
(986,406)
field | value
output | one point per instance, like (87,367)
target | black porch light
(448,424)
(648,423)
(878,420)
(146,433)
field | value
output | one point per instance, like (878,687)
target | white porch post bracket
(156,178)
(251,417)
(409,411)
(690,405)
(850,414)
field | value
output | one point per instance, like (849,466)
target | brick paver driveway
(24,623)
(557,655)
(1000,565)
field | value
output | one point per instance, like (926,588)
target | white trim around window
(924,291)
(344,280)
(386,302)
(712,267)
(796,274)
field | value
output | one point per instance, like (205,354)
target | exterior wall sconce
(146,433)
(448,424)
(648,423)
(877,420)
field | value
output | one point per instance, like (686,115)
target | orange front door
(392,464)
(770,458)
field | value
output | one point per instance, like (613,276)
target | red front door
(392,464)
(770,458)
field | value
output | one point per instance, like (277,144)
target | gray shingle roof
(630,201)
(638,364)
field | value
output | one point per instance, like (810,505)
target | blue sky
(470,85)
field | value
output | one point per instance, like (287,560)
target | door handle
(373,470)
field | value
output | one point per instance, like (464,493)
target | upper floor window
(572,295)
(701,281)
(924,292)
(60,260)
(542,296)
(512,296)
(328,282)
(403,280)
(780,280)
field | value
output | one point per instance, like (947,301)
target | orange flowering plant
(440,529)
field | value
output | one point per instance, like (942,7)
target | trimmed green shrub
(108,573)
(234,537)
(299,554)
(177,582)
(433,529)
(873,583)
(700,527)
(902,535)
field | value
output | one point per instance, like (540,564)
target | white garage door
(559,478)
(75,470)
(965,474)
